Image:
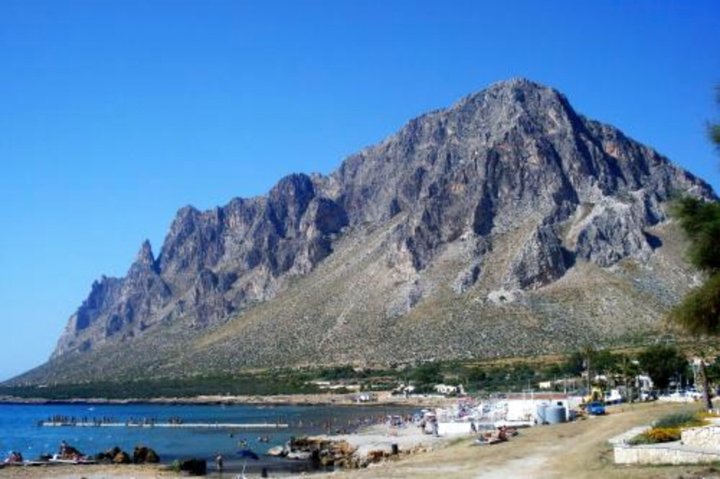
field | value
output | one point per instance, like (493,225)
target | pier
(196,425)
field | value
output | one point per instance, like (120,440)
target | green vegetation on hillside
(249,384)
(663,363)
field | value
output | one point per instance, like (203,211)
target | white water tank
(540,413)
(555,414)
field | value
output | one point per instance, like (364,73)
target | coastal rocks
(141,455)
(145,455)
(340,453)
(321,452)
(108,456)
(193,467)
(121,457)
(370,453)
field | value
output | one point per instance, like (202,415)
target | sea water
(20,428)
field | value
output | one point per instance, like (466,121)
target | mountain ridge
(505,194)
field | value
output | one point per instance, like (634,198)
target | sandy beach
(577,450)
(88,472)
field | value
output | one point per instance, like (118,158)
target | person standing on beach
(219,462)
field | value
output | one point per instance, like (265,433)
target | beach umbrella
(247,453)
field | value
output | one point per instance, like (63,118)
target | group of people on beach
(65,452)
(14,458)
(68,452)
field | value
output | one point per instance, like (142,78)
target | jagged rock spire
(144,260)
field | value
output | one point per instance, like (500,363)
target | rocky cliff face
(212,264)
(497,199)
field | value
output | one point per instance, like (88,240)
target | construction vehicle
(594,403)
(596,394)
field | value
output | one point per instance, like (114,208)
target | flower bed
(668,428)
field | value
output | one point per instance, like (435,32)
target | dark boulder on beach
(108,456)
(194,467)
(122,457)
(143,455)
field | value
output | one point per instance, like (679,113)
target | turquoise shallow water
(19,429)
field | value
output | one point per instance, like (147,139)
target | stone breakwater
(353,451)
(189,425)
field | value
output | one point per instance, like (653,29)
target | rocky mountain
(506,224)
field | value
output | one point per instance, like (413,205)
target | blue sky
(114,114)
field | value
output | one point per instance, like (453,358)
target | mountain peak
(518,82)
(145,255)
(144,260)
(504,210)
(514,91)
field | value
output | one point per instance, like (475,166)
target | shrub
(639,439)
(667,428)
(678,420)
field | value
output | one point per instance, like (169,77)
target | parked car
(694,393)
(648,395)
(613,397)
(595,408)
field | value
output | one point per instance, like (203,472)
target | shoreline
(535,452)
(326,399)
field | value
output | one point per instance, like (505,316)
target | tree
(604,362)
(594,362)
(699,311)
(426,375)
(627,370)
(662,363)
(714,128)
(574,364)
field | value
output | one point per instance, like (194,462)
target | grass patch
(679,420)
